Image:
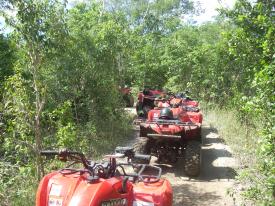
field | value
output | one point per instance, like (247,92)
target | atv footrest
(166,136)
(141,159)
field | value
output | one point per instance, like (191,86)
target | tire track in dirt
(217,173)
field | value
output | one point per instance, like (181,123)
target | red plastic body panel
(56,189)
(160,193)
(190,103)
(185,102)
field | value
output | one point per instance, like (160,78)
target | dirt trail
(217,174)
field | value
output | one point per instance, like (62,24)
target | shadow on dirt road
(217,175)
(215,156)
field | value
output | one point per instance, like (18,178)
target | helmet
(166,113)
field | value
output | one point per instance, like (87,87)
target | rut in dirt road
(216,177)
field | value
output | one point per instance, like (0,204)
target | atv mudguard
(57,189)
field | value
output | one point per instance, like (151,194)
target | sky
(1,23)
(209,7)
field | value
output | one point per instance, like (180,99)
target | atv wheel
(141,146)
(142,132)
(139,109)
(192,158)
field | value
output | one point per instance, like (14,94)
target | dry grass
(240,137)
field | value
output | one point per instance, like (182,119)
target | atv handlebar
(64,154)
(137,161)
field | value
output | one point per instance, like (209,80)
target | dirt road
(217,174)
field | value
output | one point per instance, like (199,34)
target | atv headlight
(115,202)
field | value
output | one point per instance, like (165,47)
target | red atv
(146,100)
(104,184)
(186,100)
(172,133)
(185,104)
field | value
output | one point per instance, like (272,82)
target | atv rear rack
(156,136)
(171,122)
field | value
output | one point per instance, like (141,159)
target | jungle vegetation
(61,66)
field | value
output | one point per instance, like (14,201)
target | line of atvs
(170,129)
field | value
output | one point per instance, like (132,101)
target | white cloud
(209,7)
(2,24)
(10,14)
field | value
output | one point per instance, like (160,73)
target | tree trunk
(38,143)
(39,105)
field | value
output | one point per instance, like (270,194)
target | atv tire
(139,109)
(142,132)
(141,146)
(192,158)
